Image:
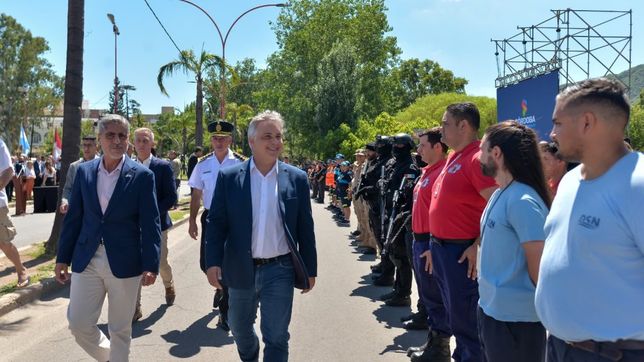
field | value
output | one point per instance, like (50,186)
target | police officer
(401,173)
(202,181)
(371,192)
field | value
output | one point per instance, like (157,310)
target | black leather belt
(610,350)
(453,241)
(422,237)
(261,261)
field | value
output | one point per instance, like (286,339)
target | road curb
(26,295)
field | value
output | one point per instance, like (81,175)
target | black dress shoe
(421,348)
(437,350)
(387,296)
(368,251)
(408,317)
(398,301)
(415,324)
(384,282)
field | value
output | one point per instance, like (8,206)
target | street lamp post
(224,39)
(116,79)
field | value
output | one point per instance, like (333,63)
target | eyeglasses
(113,135)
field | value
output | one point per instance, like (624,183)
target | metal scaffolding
(579,43)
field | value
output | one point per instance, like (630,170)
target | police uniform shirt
(204,175)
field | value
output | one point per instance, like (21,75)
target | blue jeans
(273,292)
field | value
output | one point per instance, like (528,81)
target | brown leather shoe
(169,295)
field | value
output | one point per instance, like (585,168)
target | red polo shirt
(423,197)
(457,205)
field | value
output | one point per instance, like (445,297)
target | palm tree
(189,63)
(73,102)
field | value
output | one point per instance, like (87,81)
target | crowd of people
(29,173)
(518,252)
(519,249)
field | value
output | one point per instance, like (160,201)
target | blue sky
(455,33)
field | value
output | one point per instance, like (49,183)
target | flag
(58,146)
(24,143)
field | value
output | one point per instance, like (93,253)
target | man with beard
(511,244)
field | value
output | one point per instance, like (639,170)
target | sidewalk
(40,268)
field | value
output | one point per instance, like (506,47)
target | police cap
(220,128)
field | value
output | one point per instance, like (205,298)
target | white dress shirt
(268,236)
(145,162)
(106,182)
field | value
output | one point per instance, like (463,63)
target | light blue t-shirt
(513,216)
(591,280)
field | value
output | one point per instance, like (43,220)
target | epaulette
(204,157)
(239,156)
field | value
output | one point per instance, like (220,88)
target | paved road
(340,320)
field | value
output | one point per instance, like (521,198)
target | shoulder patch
(204,157)
(239,156)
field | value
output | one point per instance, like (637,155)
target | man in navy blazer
(262,263)
(110,236)
(166,198)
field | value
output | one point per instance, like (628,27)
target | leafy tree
(306,33)
(240,115)
(413,79)
(121,103)
(337,88)
(241,84)
(73,101)
(175,131)
(636,127)
(425,113)
(188,62)
(29,84)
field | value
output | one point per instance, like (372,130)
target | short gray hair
(265,116)
(146,131)
(112,118)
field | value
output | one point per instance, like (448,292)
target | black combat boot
(437,350)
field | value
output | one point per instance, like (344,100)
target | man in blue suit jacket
(110,236)
(262,263)
(166,198)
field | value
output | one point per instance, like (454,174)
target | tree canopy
(29,85)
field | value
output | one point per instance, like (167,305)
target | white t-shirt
(5,162)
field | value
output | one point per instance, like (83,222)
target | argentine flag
(24,143)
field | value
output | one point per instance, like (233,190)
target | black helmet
(382,141)
(403,139)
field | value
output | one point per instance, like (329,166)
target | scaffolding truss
(580,44)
